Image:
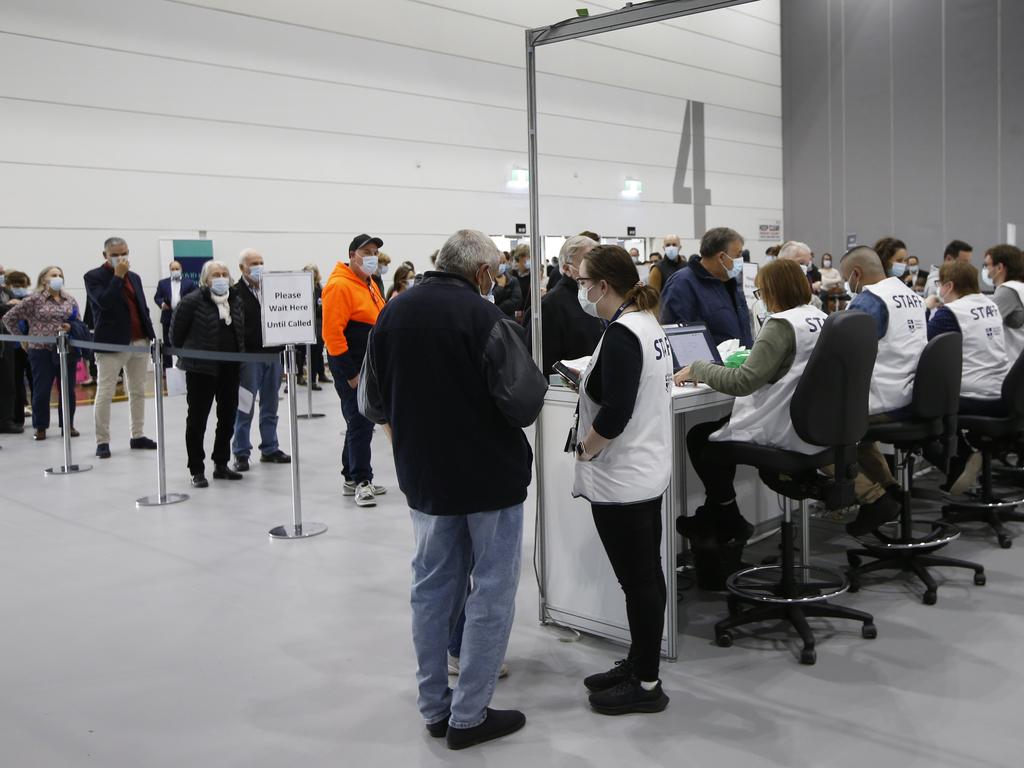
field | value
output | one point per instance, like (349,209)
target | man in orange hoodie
(351,303)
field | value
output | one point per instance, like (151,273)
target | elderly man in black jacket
(568,332)
(120,316)
(464,465)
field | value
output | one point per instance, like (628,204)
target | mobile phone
(571,377)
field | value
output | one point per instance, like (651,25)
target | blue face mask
(256,273)
(737,268)
(370,264)
(502,269)
(19,293)
(671,252)
(220,285)
(899,269)
(3,280)
(56,284)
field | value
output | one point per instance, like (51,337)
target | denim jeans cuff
(462,725)
(441,719)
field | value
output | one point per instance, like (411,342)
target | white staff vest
(984,366)
(892,382)
(1014,337)
(636,465)
(763,418)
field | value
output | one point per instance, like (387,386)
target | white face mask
(827,263)
(671,252)
(114,261)
(588,306)
(986,278)
(175,274)
(369,265)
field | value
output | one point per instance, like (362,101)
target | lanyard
(619,311)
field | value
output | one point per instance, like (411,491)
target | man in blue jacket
(169,292)
(711,290)
(120,316)
(464,465)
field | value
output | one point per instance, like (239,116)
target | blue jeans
(264,379)
(45,368)
(355,453)
(486,546)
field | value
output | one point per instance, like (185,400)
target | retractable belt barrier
(28,339)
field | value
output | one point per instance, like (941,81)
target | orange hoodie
(350,306)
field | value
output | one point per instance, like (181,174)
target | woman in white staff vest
(623,464)
(763,387)
(1004,269)
(965,310)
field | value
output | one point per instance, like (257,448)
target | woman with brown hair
(623,464)
(763,387)
(893,253)
(404,276)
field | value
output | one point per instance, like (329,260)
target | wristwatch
(581,452)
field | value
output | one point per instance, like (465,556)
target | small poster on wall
(191,254)
(770,231)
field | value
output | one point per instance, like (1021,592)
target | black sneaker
(602,681)
(200,481)
(277,457)
(241,463)
(142,443)
(871,516)
(103,450)
(629,696)
(439,729)
(222,472)
(499,722)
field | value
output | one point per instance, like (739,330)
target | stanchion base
(311,415)
(67,470)
(159,501)
(303,531)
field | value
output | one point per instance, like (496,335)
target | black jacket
(568,331)
(508,298)
(253,319)
(442,344)
(196,324)
(668,267)
(111,319)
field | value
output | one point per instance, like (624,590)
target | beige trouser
(875,476)
(108,366)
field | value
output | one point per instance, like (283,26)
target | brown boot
(39,435)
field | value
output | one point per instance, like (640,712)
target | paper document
(579,364)
(245,400)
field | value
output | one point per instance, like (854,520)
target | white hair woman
(210,320)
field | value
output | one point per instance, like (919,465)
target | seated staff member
(569,332)
(711,291)
(977,318)
(763,387)
(899,316)
(623,464)
(1004,268)
(893,253)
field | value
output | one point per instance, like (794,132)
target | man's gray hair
(110,242)
(575,248)
(791,249)
(208,267)
(464,252)
(246,253)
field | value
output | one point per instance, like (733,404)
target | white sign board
(286,303)
(770,230)
(749,281)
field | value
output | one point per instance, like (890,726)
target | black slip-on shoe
(871,516)
(103,450)
(142,443)
(627,697)
(277,457)
(439,729)
(223,472)
(602,681)
(200,481)
(499,722)
(241,464)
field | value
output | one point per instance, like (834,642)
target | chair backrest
(830,402)
(1013,389)
(938,377)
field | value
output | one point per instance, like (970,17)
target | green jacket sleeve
(770,359)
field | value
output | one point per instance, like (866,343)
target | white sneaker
(969,476)
(453,667)
(348,488)
(364,495)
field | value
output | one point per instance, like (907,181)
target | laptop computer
(691,342)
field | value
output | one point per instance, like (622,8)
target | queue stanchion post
(68,468)
(309,387)
(297,529)
(162,497)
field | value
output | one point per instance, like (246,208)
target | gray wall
(903,117)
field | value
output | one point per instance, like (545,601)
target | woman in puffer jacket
(210,319)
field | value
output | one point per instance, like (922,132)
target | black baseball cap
(360,240)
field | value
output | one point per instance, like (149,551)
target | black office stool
(934,406)
(992,434)
(835,382)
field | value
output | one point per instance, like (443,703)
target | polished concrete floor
(183,636)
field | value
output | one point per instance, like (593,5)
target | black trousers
(631,535)
(22,382)
(200,391)
(713,462)
(8,393)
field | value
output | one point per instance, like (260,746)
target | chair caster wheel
(929,597)
(854,586)
(724,640)
(869,631)
(1005,542)
(808,656)
(979,580)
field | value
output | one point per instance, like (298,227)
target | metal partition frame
(572,29)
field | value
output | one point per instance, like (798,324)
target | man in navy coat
(120,316)
(169,292)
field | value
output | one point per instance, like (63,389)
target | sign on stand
(286,303)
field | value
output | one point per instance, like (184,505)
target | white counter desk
(578,589)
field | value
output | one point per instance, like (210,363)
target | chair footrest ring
(976,503)
(767,584)
(887,538)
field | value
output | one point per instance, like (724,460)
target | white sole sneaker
(349,489)
(969,476)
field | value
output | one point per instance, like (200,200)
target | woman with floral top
(47,311)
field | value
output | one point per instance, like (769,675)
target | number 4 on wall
(699,195)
